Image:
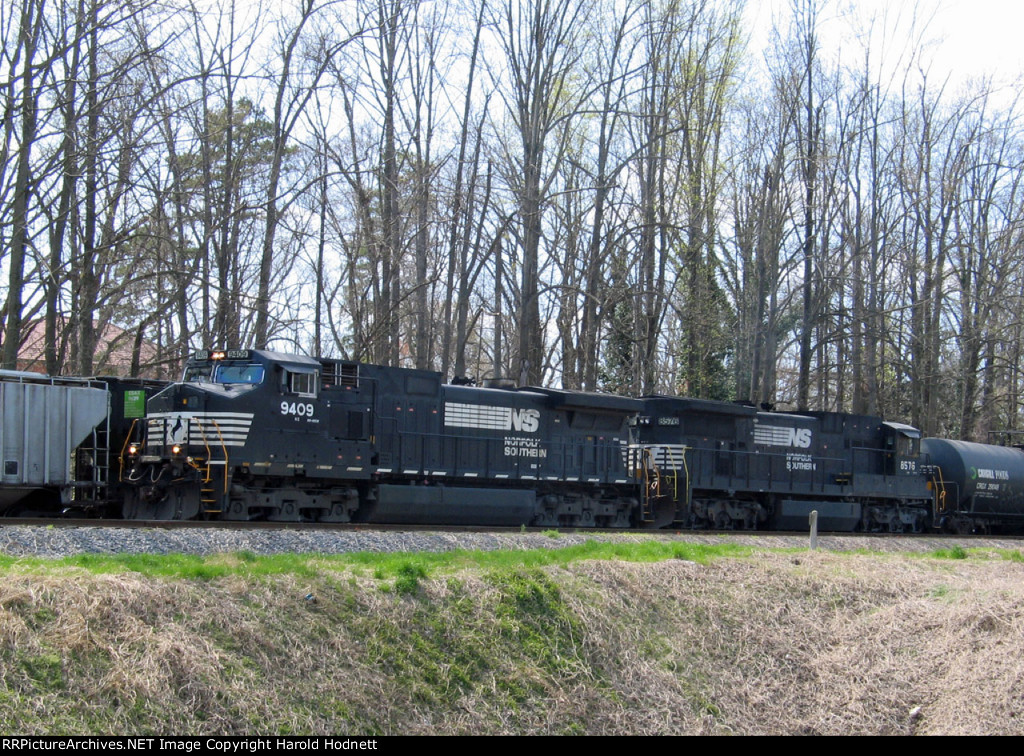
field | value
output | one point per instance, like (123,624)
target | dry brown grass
(775,644)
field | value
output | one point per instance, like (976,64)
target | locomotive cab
(902,448)
(202,457)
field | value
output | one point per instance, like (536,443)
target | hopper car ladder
(96,449)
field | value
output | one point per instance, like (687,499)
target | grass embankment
(645,637)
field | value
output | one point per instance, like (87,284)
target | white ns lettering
(526,420)
(802,438)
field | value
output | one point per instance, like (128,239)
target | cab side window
(303,384)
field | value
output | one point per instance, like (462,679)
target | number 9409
(299,409)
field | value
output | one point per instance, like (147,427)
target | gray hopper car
(61,441)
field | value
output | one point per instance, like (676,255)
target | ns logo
(800,438)
(525,420)
(778,435)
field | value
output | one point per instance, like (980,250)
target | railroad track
(350,527)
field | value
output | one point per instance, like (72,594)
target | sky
(982,34)
(968,38)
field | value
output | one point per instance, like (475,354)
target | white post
(814,529)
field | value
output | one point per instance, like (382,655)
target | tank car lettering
(985,473)
(778,435)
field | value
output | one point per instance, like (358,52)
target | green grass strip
(412,566)
(382,565)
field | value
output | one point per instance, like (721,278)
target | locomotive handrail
(206,444)
(689,480)
(209,453)
(817,480)
(940,491)
(124,446)
(647,466)
(224,448)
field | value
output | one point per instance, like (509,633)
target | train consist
(260,435)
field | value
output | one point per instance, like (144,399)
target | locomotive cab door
(350,410)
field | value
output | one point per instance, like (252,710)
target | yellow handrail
(220,437)
(120,456)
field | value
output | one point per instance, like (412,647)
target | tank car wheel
(960,526)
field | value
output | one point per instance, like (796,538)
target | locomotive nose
(182,397)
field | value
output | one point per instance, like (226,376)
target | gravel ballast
(59,541)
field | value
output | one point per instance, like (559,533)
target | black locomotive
(721,465)
(260,435)
(252,434)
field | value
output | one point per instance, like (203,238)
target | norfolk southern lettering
(524,447)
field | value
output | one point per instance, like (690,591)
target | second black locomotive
(719,465)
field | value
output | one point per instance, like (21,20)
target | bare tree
(21,93)
(306,46)
(541,42)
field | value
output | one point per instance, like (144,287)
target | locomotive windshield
(197,373)
(249,374)
(227,373)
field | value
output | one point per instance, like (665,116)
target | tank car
(715,464)
(254,434)
(978,487)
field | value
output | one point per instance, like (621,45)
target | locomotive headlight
(133,450)
(176,450)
